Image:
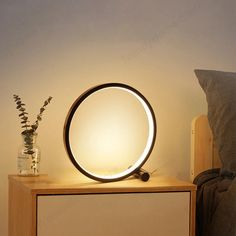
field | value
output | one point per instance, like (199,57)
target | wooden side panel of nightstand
(192,213)
(22,210)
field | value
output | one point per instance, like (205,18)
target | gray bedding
(216,194)
(216,204)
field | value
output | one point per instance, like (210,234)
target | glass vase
(28,160)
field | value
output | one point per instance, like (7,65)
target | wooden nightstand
(45,206)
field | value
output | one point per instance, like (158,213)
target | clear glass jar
(28,159)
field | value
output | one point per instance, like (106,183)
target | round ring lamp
(70,140)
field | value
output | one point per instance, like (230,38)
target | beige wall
(60,48)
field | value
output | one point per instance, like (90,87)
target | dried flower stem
(20,106)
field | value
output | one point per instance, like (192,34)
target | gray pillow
(220,90)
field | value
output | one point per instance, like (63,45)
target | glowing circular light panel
(70,138)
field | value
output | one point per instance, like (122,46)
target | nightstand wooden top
(45,184)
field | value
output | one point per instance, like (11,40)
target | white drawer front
(134,214)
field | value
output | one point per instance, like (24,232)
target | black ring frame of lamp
(136,167)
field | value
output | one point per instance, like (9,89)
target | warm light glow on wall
(109,131)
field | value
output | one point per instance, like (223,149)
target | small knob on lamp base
(142,175)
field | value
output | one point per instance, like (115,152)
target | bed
(204,153)
(213,157)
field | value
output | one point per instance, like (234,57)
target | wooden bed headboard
(204,155)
